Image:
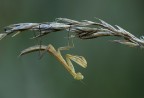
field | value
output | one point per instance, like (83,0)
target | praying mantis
(80,60)
(18,28)
(84,29)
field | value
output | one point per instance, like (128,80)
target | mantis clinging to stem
(43,28)
(81,29)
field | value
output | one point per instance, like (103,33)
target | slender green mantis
(81,29)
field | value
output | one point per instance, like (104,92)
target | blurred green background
(114,70)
